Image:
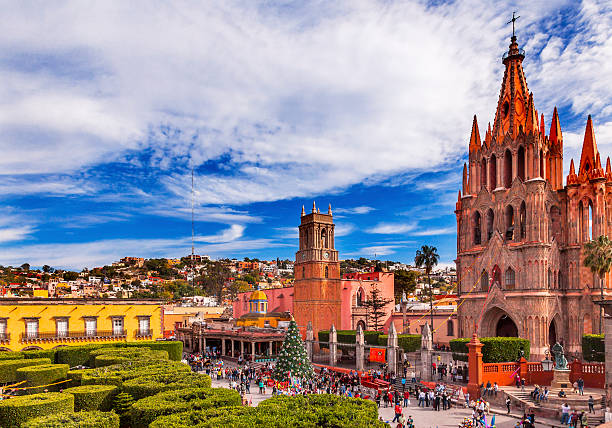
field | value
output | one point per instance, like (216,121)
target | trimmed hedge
(593,347)
(408,342)
(110,356)
(11,356)
(44,374)
(173,347)
(146,386)
(76,355)
(278,412)
(348,336)
(93,397)
(15,411)
(8,368)
(41,353)
(116,375)
(146,410)
(80,355)
(494,350)
(76,420)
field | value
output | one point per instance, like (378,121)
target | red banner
(378,355)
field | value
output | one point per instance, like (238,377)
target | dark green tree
(427,257)
(376,305)
(25,267)
(404,281)
(46,268)
(70,276)
(292,359)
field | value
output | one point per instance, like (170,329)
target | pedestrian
(467,399)
(522,384)
(581,385)
(508,404)
(378,400)
(406,398)
(565,412)
(398,412)
(495,388)
(386,399)
(591,404)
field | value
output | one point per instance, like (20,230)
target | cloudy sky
(106,106)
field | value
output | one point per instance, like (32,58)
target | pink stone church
(521,229)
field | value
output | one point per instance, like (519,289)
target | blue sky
(106,106)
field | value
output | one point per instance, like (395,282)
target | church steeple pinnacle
(475,137)
(588,158)
(531,123)
(555,136)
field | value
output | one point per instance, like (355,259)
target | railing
(5,338)
(144,332)
(52,336)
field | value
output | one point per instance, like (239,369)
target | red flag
(378,355)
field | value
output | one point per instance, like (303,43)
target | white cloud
(235,231)
(10,234)
(377,250)
(435,231)
(344,229)
(354,210)
(391,228)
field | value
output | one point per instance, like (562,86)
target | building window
(360,297)
(31,328)
(91,326)
(118,326)
(477,228)
(303,272)
(484,281)
(550,279)
(326,271)
(450,328)
(61,327)
(144,326)
(510,279)
(3,335)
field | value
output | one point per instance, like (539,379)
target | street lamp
(547,364)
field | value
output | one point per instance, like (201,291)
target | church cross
(513,20)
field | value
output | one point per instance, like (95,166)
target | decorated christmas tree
(292,359)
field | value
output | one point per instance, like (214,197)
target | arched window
(490,222)
(550,279)
(541,164)
(360,297)
(507,169)
(483,173)
(555,223)
(590,226)
(477,228)
(450,328)
(509,223)
(493,173)
(484,281)
(523,220)
(323,238)
(521,163)
(326,271)
(560,280)
(303,272)
(510,279)
(497,276)
(580,222)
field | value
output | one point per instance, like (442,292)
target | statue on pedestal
(560,361)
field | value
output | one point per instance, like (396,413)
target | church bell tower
(317,273)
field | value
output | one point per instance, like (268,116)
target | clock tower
(317,273)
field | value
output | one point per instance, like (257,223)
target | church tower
(317,273)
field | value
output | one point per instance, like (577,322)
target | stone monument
(426,352)
(561,372)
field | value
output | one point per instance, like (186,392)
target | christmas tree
(292,359)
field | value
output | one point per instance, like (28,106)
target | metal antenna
(192,231)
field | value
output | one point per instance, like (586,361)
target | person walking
(565,413)
(398,412)
(508,404)
(406,398)
(581,386)
(591,404)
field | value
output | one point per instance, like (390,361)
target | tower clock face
(326,255)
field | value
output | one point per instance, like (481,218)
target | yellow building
(258,315)
(39,323)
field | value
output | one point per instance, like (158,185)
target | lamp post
(403,306)
(547,364)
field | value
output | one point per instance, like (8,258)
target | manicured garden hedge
(494,350)
(146,410)
(11,356)
(348,336)
(93,397)
(593,347)
(15,411)
(76,420)
(145,386)
(44,374)
(41,353)
(80,355)
(282,411)
(173,347)
(76,355)
(408,342)
(8,368)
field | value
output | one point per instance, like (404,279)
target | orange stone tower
(521,231)
(317,287)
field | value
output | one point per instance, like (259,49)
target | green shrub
(93,397)
(371,337)
(146,410)
(44,374)
(8,368)
(323,335)
(408,342)
(281,411)
(145,386)
(77,355)
(121,405)
(459,348)
(494,350)
(18,410)
(76,420)
(116,375)
(109,360)
(593,347)
(75,378)
(41,353)
(110,356)
(11,356)
(173,347)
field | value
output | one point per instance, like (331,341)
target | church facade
(521,230)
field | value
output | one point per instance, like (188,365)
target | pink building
(279,300)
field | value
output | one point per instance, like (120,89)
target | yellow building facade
(39,323)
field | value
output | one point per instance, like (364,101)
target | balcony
(72,336)
(5,338)
(144,333)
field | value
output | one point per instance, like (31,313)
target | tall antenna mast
(192,231)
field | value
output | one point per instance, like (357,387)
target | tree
(25,267)
(376,308)
(70,276)
(598,258)
(292,359)
(46,268)
(213,282)
(428,258)
(404,281)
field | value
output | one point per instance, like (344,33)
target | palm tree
(428,258)
(598,258)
